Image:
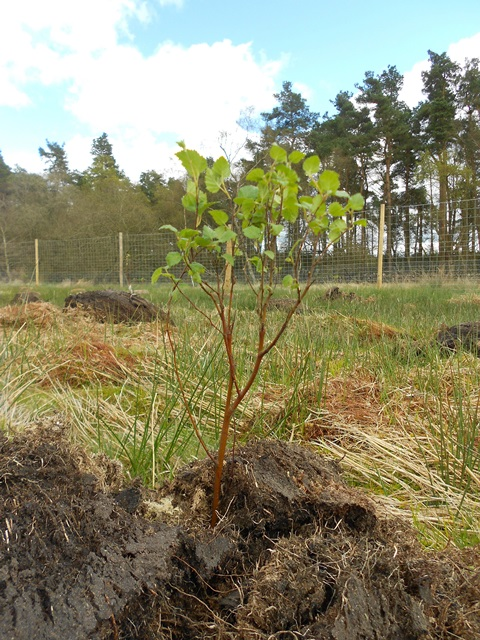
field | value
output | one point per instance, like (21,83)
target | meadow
(359,379)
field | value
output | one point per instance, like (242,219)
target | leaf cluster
(258,213)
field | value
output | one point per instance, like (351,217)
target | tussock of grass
(348,379)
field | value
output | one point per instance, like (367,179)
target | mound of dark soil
(334,293)
(115,306)
(285,304)
(297,554)
(26,297)
(462,336)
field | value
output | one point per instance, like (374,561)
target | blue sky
(150,72)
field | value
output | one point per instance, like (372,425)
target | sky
(152,72)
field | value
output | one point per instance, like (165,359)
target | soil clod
(115,306)
(462,336)
(296,554)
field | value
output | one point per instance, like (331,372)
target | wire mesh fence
(419,241)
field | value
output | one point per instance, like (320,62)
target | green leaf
(189,202)
(356,202)
(223,234)
(205,243)
(220,217)
(212,181)
(229,258)
(329,181)
(269,254)
(258,263)
(276,229)
(337,228)
(278,154)
(168,227)
(360,223)
(319,205)
(196,267)
(192,161)
(290,212)
(203,205)
(247,191)
(156,274)
(285,175)
(221,168)
(172,258)
(342,194)
(255,175)
(208,233)
(254,233)
(161,273)
(288,281)
(318,225)
(296,156)
(311,166)
(196,277)
(336,210)
(188,233)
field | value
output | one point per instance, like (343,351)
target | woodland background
(421,162)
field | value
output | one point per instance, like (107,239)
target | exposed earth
(297,553)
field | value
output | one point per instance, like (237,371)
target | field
(359,379)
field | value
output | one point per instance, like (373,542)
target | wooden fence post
(228,266)
(37,264)
(120,258)
(381,233)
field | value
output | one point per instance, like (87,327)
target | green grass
(359,380)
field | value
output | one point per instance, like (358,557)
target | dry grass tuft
(40,314)
(467,298)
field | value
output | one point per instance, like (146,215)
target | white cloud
(458,52)
(178,92)
(411,92)
(38,40)
(190,91)
(176,3)
(466,48)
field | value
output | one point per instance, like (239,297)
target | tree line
(381,147)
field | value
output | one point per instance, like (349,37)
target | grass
(358,380)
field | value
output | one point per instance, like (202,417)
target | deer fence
(398,244)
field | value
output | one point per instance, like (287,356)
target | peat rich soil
(298,554)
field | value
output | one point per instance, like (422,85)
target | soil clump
(26,297)
(462,336)
(334,293)
(115,306)
(296,554)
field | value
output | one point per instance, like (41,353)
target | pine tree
(104,165)
(390,118)
(438,117)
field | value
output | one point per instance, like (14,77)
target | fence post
(120,258)
(381,232)
(37,265)
(228,266)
